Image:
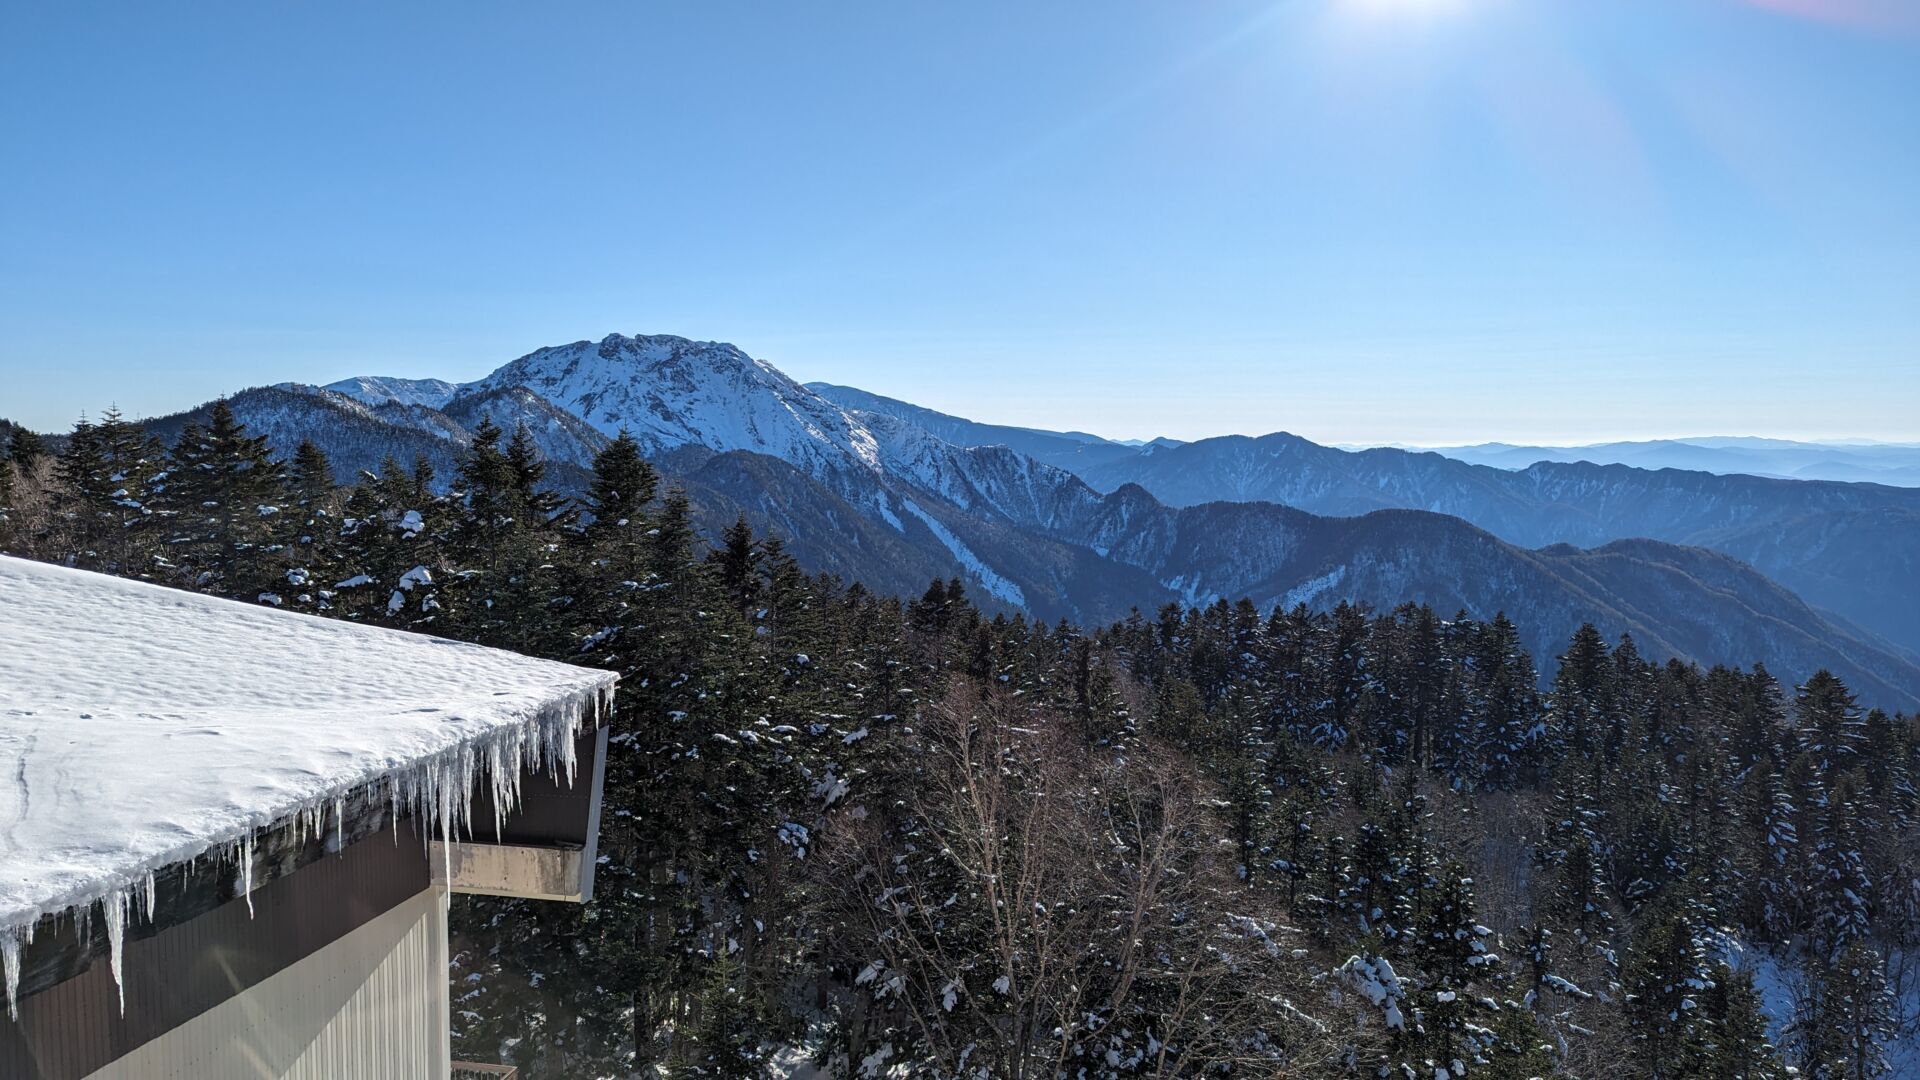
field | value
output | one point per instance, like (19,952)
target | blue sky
(1418,221)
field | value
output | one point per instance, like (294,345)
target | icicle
(12,941)
(498,767)
(464,777)
(446,826)
(438,791)
(246,871)
(310,822)
(116,911)
(568,738)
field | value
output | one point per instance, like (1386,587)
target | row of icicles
(439,787)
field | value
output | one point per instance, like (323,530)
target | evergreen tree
(1846,1017)
(1668,970)
(19,471)
(1842,892)
(737,561)
(1412,686)
(489,489)
(624,484)
(1830,725)
(1759,724)
(1508,727)
(26,449)
(1349,679)
(312,479)
(1734,1044)
(1452,949)
(6,503)
(1581,686)
(109,478)
(529,471)
(506,542)
(225,501)
(385,560)
(727,1037)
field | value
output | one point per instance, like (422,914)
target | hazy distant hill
(1845,547)
(1897,464)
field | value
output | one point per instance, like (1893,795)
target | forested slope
(902,837)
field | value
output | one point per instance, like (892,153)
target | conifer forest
(859,835)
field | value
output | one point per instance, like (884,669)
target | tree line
(899,837)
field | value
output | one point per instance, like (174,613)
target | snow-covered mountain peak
(383,390)
(669,392)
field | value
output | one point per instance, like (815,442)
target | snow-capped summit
(383,390)
(671,392)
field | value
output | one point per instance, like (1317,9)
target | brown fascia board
(553,815)
(547,848)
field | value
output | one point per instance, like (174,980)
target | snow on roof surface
(142,726)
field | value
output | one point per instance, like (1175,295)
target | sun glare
(1392,8)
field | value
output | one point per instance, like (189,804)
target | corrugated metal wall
(76,1027)
(370,1006)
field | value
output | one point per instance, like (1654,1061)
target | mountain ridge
(1895,464)
(1844,553)
(875,497)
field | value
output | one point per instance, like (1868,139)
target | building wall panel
(77,1026)
(370,1006)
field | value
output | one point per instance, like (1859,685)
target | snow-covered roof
(142,726)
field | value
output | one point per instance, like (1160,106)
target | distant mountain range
(1897,464)
(1065,524)
(1849,548)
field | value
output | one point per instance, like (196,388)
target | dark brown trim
(183,892)
(202,947)
(551,811)
(70,1029)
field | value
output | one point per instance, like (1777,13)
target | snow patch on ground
(989,578)
(1776,977)
(1192,593)
(1309,591)
(1374,978)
